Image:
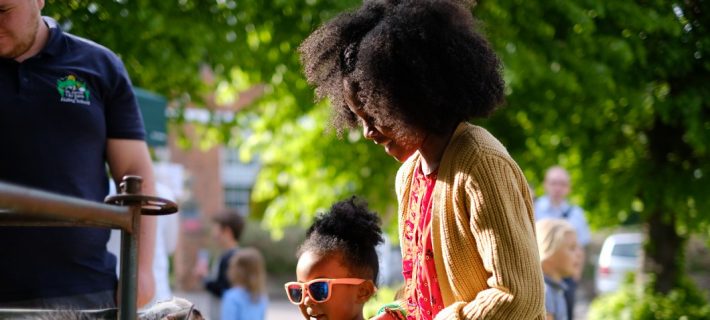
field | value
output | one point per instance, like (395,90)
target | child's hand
(390,311)
(383,316)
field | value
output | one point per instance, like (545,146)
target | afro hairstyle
(414,63)
(350,231)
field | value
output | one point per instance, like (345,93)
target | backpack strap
(565,214)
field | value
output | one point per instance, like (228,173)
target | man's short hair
(232,219)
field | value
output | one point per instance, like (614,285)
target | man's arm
(131,157)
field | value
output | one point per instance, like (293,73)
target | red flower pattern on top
(422,292)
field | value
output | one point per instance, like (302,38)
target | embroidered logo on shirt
(73,90)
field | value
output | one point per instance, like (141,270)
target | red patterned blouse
(423,295)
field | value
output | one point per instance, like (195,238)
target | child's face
(567,257)
(399,146)
(345,302)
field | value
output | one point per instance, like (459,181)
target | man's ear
(365,291)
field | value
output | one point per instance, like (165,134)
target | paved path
(582,306)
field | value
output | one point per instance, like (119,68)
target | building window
(237,197)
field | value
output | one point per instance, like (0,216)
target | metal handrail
(22,206)
(41,208)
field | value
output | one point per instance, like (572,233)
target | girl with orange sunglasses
(337,266)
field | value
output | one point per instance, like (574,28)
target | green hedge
(683,303)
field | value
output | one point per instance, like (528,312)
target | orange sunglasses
(318,289)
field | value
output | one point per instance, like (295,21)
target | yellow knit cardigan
(482,230)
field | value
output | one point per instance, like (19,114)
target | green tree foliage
(616,91)
(247,42)
(683,302)
(613,90)
(164,43)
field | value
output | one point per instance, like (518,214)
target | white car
(620,254)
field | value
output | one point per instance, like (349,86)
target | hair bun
(351,221)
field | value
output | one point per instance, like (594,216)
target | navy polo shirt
(57,109)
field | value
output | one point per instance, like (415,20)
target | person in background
(227,229)
(411,74)
(246,299)
(554,204)
(337,267)
(67,110)
(559,257)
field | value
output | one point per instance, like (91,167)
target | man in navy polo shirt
(66,110)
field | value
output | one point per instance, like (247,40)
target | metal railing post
(128,284)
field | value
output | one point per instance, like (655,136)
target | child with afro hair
(411,73)
(337,264)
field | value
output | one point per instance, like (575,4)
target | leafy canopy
(616,91)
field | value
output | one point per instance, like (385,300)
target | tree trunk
(663,255)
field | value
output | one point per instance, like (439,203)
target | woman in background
(246,299)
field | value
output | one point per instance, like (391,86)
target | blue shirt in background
(573,214)
(237,304)
(555,303)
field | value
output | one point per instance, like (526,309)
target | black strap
(565,214)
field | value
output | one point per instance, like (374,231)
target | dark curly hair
(413,63)
(350,231)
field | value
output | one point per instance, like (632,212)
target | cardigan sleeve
(500,218)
